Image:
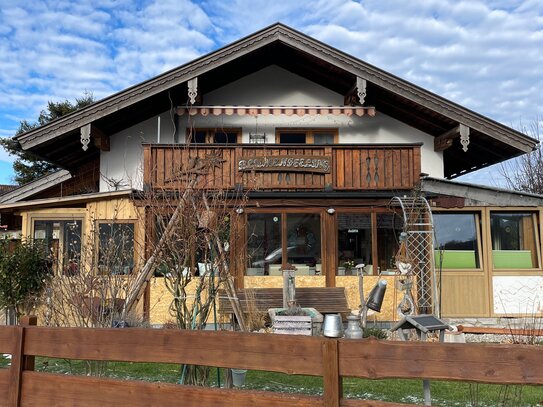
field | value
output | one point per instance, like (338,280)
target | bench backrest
(326,300)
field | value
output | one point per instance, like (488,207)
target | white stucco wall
(274,86)
(124,161)
(271,86)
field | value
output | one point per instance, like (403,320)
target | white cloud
(484,54)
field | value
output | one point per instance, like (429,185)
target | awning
(276,110)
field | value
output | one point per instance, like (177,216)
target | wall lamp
(239,211)
(331,211)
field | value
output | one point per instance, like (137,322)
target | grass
(401,391)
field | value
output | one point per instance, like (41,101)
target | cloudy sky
(485,55)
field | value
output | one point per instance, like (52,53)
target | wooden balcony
(340,167)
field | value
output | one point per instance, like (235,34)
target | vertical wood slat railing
(353,167)
(329,358)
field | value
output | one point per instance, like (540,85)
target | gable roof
(490,141)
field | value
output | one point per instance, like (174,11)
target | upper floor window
(306,136)
(515,242)
(213,136)
(458,242)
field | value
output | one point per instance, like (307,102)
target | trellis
(418,226)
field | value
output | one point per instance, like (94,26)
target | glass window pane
(264,247)
(354,242)
(63,240)
(116,251)
(222,137)
(514,240)
(389,227)
(456,238)
(198,136)
(304,242)
(292,138)
(323,138)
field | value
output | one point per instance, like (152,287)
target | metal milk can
(353,330)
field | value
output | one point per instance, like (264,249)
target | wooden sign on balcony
(286,163)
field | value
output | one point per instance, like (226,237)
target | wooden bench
(326,300)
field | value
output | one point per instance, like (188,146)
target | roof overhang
(66,201)
(490,141)
(34,187)
(477,194)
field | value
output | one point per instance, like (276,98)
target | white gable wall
(124,160)
(271,86)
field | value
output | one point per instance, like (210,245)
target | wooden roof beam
(357,94)
(99,138)
(445,140)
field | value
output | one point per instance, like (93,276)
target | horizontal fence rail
(329,358)
(337,167)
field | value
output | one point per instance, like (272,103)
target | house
(327,149)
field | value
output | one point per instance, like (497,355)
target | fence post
(31,320)
(333,385)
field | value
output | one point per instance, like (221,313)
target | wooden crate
(292,325)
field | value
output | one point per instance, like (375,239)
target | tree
(28,167)
(526,172)
(24,272)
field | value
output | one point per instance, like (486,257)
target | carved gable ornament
(286,163)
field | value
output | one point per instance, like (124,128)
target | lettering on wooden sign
(285,163)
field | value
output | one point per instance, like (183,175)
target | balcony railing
(340,167)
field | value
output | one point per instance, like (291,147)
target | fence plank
(26,320)
(8,339)
(277,353)
(484,363)
(45,389)
(5,384)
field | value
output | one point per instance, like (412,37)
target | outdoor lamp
(331,211)
(376,296)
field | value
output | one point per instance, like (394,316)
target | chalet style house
(331,152)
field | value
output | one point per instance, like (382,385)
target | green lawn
(406,391)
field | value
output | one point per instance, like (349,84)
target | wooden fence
(332,359)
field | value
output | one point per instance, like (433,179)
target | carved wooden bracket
(99,139)
(361,89)
(85,136)
(445,140)
(192,89)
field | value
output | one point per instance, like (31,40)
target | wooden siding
(354,167)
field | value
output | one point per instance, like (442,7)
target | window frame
(309,134)
(536,222)
(65,216)
(478,237)
(210,134)
(98,222)
(284,232)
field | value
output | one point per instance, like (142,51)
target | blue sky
(485,55)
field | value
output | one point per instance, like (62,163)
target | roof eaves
(147,88)
(491,195)
(72,199)
(296,39)
(35,186)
